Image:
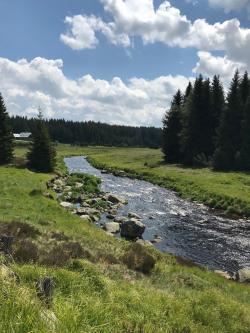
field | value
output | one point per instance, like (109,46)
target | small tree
(6,135)
(172,129)
(42,154)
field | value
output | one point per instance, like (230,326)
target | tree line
(93,133)
(206,128)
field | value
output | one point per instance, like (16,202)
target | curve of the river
(188,230)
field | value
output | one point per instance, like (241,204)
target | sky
(115,61)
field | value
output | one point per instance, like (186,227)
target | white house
(22,135)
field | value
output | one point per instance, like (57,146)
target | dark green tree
(244,89)
(244,154)
(188,91)
(228,143)
(42,155)
(197,124)
(217,107)
(171,130)
(6,135)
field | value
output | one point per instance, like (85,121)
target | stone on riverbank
(86,217)
(225,275)
(112,227)
(66,204)
(132,229)
(244,275)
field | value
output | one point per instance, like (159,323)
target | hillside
(94,290)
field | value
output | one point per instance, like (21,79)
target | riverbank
(95,291)
(227,192)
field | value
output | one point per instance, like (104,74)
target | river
(187,229)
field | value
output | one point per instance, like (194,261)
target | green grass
(102,294)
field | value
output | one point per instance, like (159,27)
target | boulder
(225,275)
(115,199)
(244,275)
(134,215)
(112,227)
(110,216)
(66,204)
(132,229)
(86,217)
(95,218)
(120,219)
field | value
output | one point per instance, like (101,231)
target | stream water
(188,230)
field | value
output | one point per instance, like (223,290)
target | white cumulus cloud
(210,65)
(26,85)
(165,24)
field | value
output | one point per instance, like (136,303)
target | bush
(138,258)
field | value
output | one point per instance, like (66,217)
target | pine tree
(172,129)
(244,155)
(41,156)
(6,136)
(228,143)
(217,107)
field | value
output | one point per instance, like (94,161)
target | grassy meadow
(96,292)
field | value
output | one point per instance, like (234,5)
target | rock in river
(115,199)
(134,215)
(132,229)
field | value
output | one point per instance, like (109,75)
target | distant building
(22,136)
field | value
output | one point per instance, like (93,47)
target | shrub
(138,258)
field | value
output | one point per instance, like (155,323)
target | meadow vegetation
(100,286)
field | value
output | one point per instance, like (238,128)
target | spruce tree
(188,92)
(244,155)
(41,156)
(228,143)
(196,127)
(217,107)
(6,135)
(244,89)
(172,129)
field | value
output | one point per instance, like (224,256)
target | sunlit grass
(100,296)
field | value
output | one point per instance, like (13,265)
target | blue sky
(115,61)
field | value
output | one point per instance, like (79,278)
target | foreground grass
(101,294)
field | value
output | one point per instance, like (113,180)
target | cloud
(231,5)
(164,24)
(209,65)
(82,32)
(26,85)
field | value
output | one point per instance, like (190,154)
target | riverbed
(186,229)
